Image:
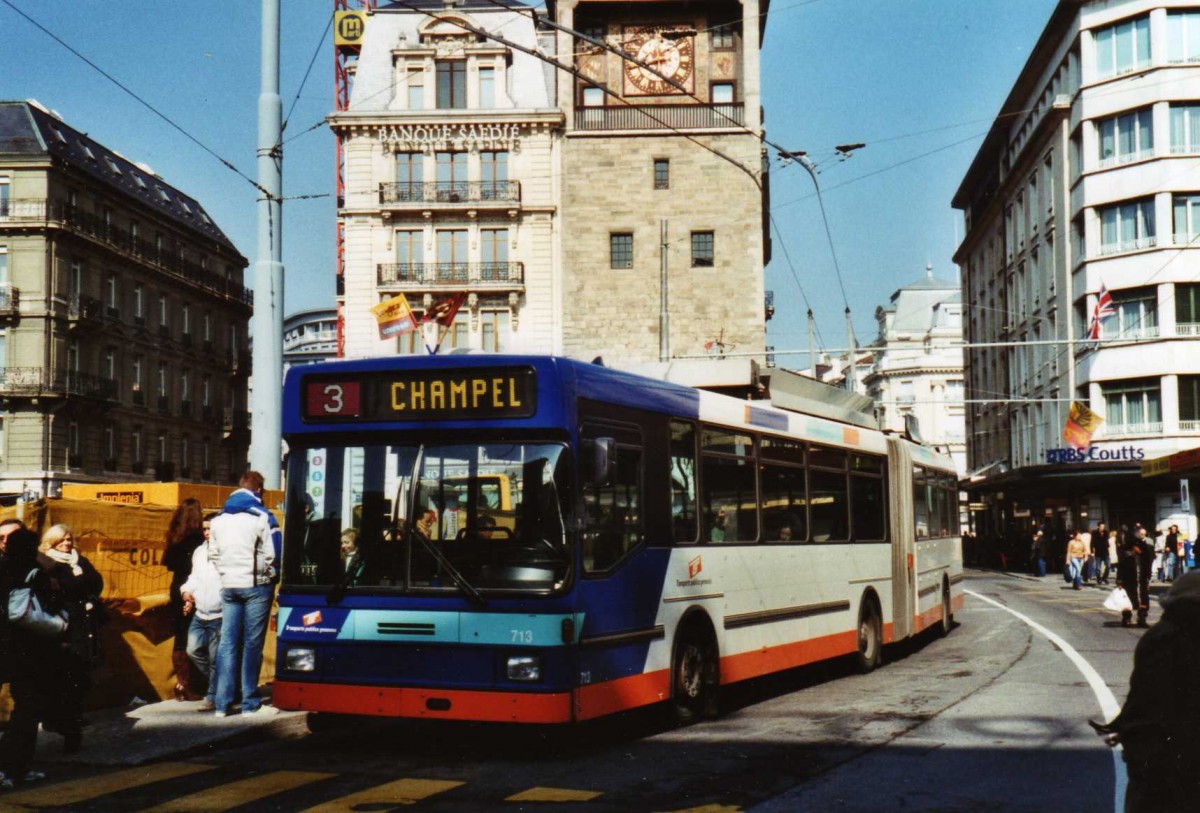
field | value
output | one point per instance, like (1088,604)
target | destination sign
(420,395)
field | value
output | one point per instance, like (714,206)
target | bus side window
(920,503)
(683,482)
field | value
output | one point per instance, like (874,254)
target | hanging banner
(1080,426)
(444,309)
(394,317)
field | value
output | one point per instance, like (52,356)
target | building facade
(123,319)
(450,144)
(664,188)
(917,364)
(309,337)
(1084,185)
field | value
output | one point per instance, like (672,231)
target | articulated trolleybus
(536,540)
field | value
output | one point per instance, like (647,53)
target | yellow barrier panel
(124,541)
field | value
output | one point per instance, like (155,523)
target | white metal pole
(265,417)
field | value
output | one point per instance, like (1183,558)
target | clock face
(656,48)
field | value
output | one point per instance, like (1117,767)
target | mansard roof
(28,129)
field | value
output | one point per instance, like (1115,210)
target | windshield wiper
(450,569)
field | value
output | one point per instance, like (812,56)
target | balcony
(473,192)
(1116,430)
(39,213)
(83,308)
(236,422)
(164,405)
(10,300)
(661,117)
(452,276)
(33,382)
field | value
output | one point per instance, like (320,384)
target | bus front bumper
(430,704)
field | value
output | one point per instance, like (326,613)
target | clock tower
(663,187)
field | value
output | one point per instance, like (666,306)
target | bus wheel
(694,676)
(870,637)
(947,616)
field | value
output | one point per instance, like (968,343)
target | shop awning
(1185,462)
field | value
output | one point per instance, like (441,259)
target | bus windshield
(428,518)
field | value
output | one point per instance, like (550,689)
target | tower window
(662,173)
(620,250)
(702,249)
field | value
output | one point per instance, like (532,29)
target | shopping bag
(1118,601)
(1068,576)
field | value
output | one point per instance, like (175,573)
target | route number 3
(330,399)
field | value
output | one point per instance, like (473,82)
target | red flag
(444,309)
(1103,309)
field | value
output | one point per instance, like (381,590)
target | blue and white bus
(538,540)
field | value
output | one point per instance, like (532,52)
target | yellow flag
(1081,424)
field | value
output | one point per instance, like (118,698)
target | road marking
(1108,703)
(235,794)
(553,795)
(64,794)
(381,797)
(711,809)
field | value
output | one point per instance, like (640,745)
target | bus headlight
(301,660)
(524,667)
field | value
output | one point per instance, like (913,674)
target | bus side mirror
(604,460)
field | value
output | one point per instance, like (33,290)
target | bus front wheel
(870,637)
(947,615)
(694,676)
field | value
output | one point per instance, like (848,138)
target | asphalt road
(991,718)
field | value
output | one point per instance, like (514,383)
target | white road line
(1108,702)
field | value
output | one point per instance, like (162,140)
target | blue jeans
(204,636)
(245,612)
(1076,571)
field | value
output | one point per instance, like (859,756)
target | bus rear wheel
(870,638)
(694,676)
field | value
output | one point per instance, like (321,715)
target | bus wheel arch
(695,669)
(869,633)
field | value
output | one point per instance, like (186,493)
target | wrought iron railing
(450,192)
(10,299)
(660,117)
(27,210)
(33,381)
(481,275)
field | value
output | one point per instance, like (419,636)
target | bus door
(904,564)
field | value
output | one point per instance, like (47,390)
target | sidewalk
(154,731)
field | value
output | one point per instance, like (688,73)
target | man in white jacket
(202,591)
(243,544)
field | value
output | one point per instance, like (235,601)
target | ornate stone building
(451,182)
(123,319)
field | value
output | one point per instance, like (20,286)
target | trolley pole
(265,410)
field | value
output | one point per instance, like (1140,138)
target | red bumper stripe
(434,704)
(625,693)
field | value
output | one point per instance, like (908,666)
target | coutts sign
(1094,454)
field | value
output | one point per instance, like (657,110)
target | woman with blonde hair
(79,587)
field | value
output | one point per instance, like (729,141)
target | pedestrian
(1160,555)
(1076,553)
(7,526)
(201,595)
(1171,552)
(244,545)
(35,632)
(1100,551)
(1037,553)
(80,586)
(184,535)
(1159,725)
(1135,563)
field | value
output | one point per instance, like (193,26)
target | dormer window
(162,194)
(451,84)
(112,166)
(88,152)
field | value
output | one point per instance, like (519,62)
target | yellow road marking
(400,792)
(64,794)
(553,795)
(235,794)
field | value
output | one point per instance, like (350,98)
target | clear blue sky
(908,77)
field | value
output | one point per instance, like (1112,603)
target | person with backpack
(36,627)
